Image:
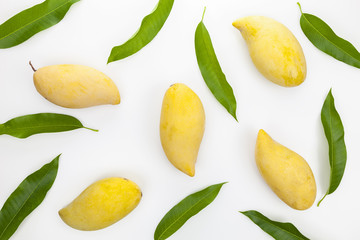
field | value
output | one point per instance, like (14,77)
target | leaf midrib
(331,146)
(17,212)
(42,126)
(267,221)
(329,39)
(213,64)
(205,196)
(35,20)
(284,230)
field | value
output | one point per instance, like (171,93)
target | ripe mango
(75,86)
(182,126)
(286,172)
(102,204)
(274,50)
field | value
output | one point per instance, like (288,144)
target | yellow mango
(102,204)
(182,125)
(274,50)
(75,86)
(286,172)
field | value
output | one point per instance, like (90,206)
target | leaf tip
(111,57)
(220,185)
(55,161)
(235,117)
(233,113)
(109,60)
(330,95)
(58,157)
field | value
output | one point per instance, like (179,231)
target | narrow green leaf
(27,23)
(27,196)
(25,126)
(278,230)
(334,132)
(181,212)
(325,39)
(150,26)
(211,71)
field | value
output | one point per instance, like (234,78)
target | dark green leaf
(211,71)
(150,26)
(27,23)
(25,126)
(334,132)
(278,230)
(28,195)
(324,38)
(181,212)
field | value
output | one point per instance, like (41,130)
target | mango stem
(32,66)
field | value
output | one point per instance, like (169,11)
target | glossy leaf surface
(27,23)
(150,27)
(334,132)
(211,71)
(184,210)
(325,39)
(27,196)
(25,126)
(278,230)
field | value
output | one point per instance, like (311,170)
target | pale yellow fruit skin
(286,172)
(75,86)
(182,125)
(274,50)
(102,204)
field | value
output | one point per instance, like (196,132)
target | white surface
(128,143)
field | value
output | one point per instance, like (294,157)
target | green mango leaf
(334,132)
(325,39)
(25,126)
(278,230)
(27,23)
(181,212)
(27,196)
(211,71)
(150,26)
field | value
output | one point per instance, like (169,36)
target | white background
(128,143)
